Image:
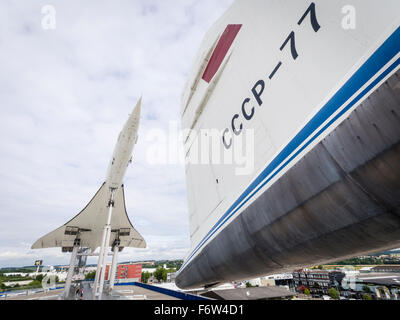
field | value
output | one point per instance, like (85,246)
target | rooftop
(249,293)
(384,279)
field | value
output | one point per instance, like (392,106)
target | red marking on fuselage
(222,48)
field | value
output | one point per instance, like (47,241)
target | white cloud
(65,95)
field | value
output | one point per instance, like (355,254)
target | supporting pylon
(71,269)
(101,265)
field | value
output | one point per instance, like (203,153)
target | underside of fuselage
(342,199)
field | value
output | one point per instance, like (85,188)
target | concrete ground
(138,293)
(119,293)
(51,295)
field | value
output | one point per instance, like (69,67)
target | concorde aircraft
(104,222)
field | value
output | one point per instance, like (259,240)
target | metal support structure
(71,270)
(114,265)
(82,260)
(101,265)
(103,270)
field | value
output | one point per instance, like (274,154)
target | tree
(333,293)
(179,264)
(90,275)
(366,289)
(320,267)
(39,278)
(160,274)
(145,276)
(35,283)
(366,297)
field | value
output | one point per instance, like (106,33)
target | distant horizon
(88,265)
(67,264)
(159,260)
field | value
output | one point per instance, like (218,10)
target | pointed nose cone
(137,109)
(134,118)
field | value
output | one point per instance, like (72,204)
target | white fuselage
(122,154)
(272,69)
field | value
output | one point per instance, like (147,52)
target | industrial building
(386,268)
(379,286)
(259,293)
(131,272)
(317,281)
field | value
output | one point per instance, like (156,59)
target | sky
(69,79)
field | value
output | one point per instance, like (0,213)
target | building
(282,280)
(149,270)
(383,286)
(365,269)
(317,281)
(131,272)
(171,276)
(262,282)
(260,293)
(386,268)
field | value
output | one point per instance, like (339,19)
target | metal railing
(15,293)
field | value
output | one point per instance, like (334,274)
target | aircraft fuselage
(122,154)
